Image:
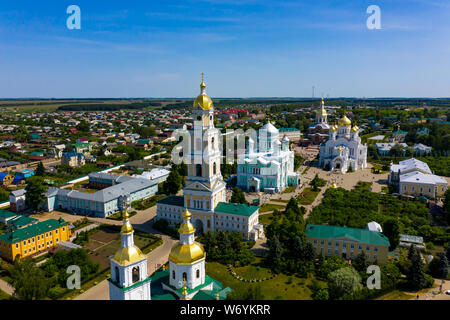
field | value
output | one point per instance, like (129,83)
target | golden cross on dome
(203,75)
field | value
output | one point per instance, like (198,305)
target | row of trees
(226,248)
(288,250)
(32,283)
(357,207)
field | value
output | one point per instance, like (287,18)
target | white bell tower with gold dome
(205,187)
(187,263)
(321,115)
(129,279)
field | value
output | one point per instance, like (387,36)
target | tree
(416,277)
(173,183)
(83,126)
(392,231)
(35,192)
(275,252)
(40,170)
(28,281)
(344,281)
(447,252)
(438,267)
(238,196)
(446,205)
(396,151)
(360,263)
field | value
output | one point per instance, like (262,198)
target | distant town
(328,188)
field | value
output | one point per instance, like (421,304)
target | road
(6,287)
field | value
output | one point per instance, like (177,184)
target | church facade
(343,150)
(205,189)
(269,167)
(318,132)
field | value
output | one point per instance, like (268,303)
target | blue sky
(247,48)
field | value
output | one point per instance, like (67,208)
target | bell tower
(129,279)
(204,185)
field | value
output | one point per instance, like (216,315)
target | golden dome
(333,128)
(344,121)
(355,128)
(186,227)
(126,228)
(186,214)
(129,255)
(204,101)
(334,186)
(187,253)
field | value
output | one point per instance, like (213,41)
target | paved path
(6,287)
(433,294)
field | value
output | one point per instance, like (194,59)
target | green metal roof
(5,214)
(287,129)
(236,208)
(32,230)
(21,221)
(360,235)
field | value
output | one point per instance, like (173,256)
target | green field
(266,218)
(282,287)
(4,295)
(270,207)
(307,196)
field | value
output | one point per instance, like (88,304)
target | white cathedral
(269,166)
(343,149)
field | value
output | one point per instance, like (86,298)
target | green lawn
(395,295)
(270,207)
(289,189)
(282,287)
(4,295)
(307,196)
(266,218)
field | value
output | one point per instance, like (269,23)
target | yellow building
(33,239)
(414,178)
(348,243)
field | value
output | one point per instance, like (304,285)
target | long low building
(33,239)
(418,184)
(413,177)
(227,217)
(347,242)
(103,202)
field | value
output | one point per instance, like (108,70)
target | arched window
(198,170)
(199,118)
(212,142)
(184,276)
(135,274)
(173,274)
(208,223)
(214,168)
(117,275)
(198,273)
